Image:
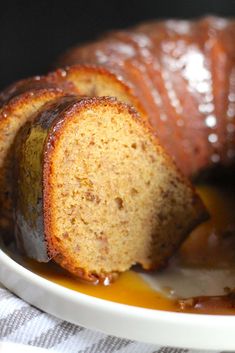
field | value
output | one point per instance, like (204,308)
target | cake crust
(12,116)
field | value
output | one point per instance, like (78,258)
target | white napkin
(22,323)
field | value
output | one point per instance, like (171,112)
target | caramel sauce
(211,245)
(217,305)
(129,288)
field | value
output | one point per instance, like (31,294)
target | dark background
(33,33)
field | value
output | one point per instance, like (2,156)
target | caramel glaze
(220,305)
(183,73)
(129,288)
(211,245)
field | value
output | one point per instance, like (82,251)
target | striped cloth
(22,323)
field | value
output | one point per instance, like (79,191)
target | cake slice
(77,79)
(106,196)
(12,116)
(22,99)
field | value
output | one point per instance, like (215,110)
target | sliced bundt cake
(105,195)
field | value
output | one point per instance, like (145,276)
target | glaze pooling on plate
(132,322)
(207,257)
(203,331)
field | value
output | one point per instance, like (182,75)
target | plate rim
(206,326)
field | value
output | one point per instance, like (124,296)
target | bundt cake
(105,194)
(183,73)
(124,194)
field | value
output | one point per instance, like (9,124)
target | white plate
(146,325)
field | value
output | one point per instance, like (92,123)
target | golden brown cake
(22,99)
(105,194)
(183,73)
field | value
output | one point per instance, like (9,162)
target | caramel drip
(218,305)
(212,244)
